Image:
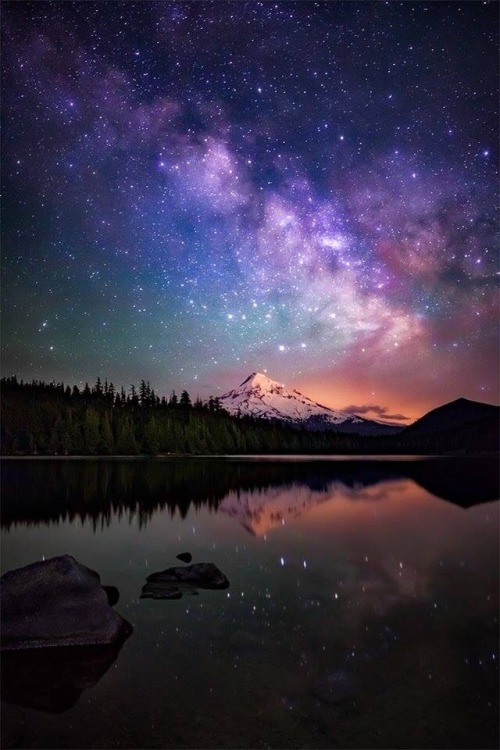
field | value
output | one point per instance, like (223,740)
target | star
(224,188)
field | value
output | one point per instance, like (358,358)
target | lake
(362,610)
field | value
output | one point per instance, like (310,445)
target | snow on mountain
(259,396)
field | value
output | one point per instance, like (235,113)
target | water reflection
(53,679)
(47,491)
(362,612)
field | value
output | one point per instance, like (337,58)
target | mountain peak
(260,396)
(259,380)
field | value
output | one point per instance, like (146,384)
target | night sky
(195,191)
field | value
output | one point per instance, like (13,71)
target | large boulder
(57,602)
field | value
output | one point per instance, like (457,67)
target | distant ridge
(455,414)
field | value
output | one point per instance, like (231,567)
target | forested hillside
(50,418)
(40,418)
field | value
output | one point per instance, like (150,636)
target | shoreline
(256,457)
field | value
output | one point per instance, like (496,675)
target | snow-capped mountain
(259,396)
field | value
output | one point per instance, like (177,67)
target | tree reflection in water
(42,491)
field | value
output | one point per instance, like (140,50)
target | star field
(197,190)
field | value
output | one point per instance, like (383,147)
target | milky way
(193,191)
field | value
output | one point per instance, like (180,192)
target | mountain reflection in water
(41,491)
(362,611)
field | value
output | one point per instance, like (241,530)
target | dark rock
(161,591)
(174,582)
(185,557)
(113,595)
(57,602)
(200,575)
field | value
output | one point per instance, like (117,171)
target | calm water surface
(362,610)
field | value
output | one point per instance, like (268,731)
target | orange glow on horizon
(410,396)
(345,392)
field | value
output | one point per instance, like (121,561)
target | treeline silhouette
(40,418)
(51,418)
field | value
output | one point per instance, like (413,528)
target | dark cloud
(380,411)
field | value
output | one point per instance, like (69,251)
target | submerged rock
(57,602)
(201,575)
(185,557)
(160,591)
(172,583)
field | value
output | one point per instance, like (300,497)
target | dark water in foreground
(362,610)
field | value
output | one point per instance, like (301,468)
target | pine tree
(76,442)
(126,443)
(134,400)
(106,442)
(23,442)
(151,442)
(185,399)
(91,431)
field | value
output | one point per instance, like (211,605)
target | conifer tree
(106,442)
(126,443)
(143,393)
(185,399)
(91,431)
(23,442)
(134,400)
(76,442)
(151,442)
